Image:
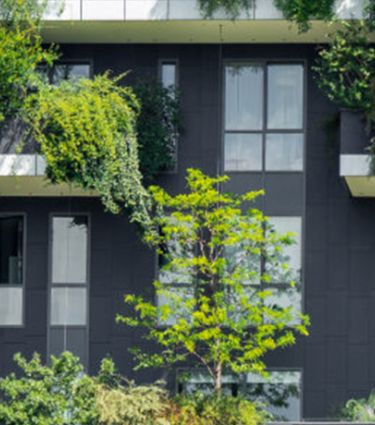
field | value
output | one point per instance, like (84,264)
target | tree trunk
(217,380)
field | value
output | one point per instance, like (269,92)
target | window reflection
(11,250)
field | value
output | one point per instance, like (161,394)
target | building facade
(251,109)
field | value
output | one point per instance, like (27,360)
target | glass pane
(243,97)
(283,298)
(11,302)
(291,254)
(243,152)
(68,306)
(285,97)
(11,250)
(243,263)
(69,249)
(70,71)
(284,152)
(168,74)
(280,392)
(175,297)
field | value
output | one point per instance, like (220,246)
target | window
(69,270)
(68,323)
(11,269)
(262,136)
(65,71)
(280,391)
(168,73)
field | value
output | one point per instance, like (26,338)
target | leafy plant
(217,311)
(200,409)
(21,51)
(303,11)
(345,69)
(232,8)
(158,127)
(86,130)
(361,410)
(48,395)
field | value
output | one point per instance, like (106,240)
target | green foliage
(200,409)
(362,410)
(21,51)
(222,318)
(86,132)
(158,127)
(231,7)
(370,14)
(303,11)
(345,69)
(48,395)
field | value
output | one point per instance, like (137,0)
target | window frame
(264,62)
(51,285)
(22,285)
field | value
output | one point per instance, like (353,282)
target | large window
(11,269)
(264,125)
(280,391)
(68,327)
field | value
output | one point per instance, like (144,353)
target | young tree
(217,304)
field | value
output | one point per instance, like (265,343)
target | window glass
(176,295)
(284,152)
(168,74)
(11,250)
(70,71)
(11,302)
(243,152)
(291,253)
(285,97)
(280,391)
(69,249)
(244,97)
(68,306)
(283,298)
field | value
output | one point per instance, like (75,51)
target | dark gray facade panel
(339,243)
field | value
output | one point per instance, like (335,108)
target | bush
(345,69)
(362,410)
(200,409)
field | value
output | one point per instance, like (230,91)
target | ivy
(86,130)
(302,11)
(158,127)
(345,69)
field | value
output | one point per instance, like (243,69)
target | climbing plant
(86,130)
(158,127)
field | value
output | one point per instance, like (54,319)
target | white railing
(154,10)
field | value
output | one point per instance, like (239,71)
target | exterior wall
(338,231)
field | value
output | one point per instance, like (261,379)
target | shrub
(200,409)
(158,127)
(302,11)
(361,410)
(50,395)
(345,69)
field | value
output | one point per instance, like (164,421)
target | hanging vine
(86,130)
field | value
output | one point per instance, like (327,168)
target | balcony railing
(156,10)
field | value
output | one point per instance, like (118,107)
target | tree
(218,306)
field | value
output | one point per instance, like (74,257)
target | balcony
(23,169)
(354,161)
(177,21)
